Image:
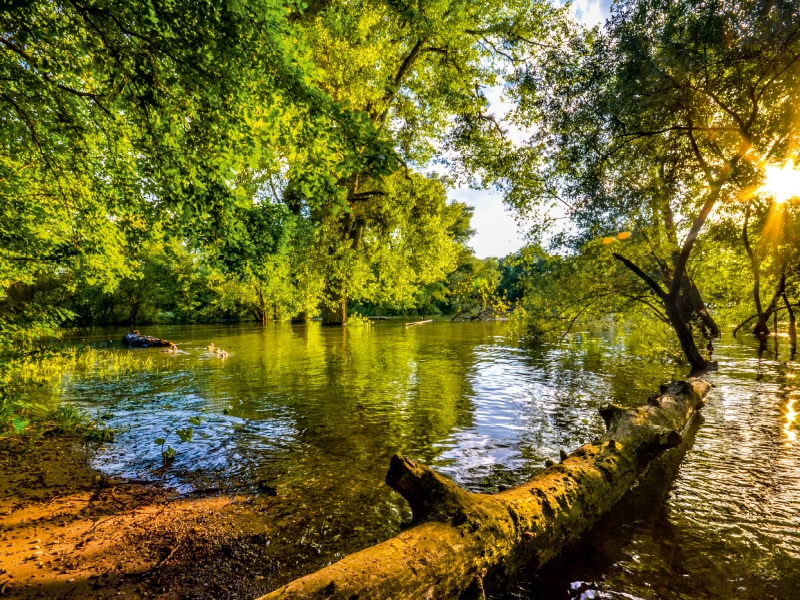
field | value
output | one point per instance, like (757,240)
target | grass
(30,376)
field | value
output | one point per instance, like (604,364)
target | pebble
(71,580)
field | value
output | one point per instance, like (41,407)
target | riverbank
(67,531)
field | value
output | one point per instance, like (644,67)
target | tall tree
(417,70)
(665,115)
(116,114)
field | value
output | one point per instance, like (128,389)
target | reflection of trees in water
(317,413)
(354,396)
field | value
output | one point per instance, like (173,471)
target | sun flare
(782,183)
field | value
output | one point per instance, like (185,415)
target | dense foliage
(268,160)
(188,161)
(652,136)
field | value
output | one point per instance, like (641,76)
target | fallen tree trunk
(419,322)
(462,541)
(134,338)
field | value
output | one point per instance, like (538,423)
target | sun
(782,183)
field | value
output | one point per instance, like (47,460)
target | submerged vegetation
(30,374)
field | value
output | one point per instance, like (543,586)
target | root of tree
(462,543)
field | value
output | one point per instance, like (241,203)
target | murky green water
(315,413)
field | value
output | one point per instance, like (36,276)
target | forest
(258,165)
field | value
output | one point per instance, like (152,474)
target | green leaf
(19,424)
(160,441)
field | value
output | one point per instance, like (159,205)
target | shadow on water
(305,420)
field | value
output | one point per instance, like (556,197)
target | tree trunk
(792,323)
(463,543)
(761,328)
(672,308)
(685,337)
(694,305)
(690,295)
(134,313)
(335,314)
(300,318)
(260,316)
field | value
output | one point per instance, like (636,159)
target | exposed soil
(66,531)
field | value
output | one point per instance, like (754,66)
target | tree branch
(643,276)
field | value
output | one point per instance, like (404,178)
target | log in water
(463,542)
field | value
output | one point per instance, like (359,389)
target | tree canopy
(645,129)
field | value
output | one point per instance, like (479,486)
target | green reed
(31,374)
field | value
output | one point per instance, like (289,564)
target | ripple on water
(300,407)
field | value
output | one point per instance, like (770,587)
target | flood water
(305,419)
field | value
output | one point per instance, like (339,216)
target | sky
(497,233)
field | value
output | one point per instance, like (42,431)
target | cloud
(497,232)
(591,12)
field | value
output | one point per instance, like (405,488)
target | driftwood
(134,338)
(419,322)
(461,541)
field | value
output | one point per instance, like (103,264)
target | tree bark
(463,543)
(792,322)
(696,306)
(685,338)
(690,296)
(336,313)
(762,328)
(754,267)
(300,318)
(261,310)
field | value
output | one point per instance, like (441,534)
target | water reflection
(316,413)
(791,417)
(726,524)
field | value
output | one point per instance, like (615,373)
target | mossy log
(134,338)
(463,542)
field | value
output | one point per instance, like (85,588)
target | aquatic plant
(185,435)
(355,320)
(31,372)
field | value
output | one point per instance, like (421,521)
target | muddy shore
(67,531)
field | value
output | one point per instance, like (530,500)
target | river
(305,420)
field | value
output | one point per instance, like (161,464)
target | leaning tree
(654,122)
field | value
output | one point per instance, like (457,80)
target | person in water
(211,347)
